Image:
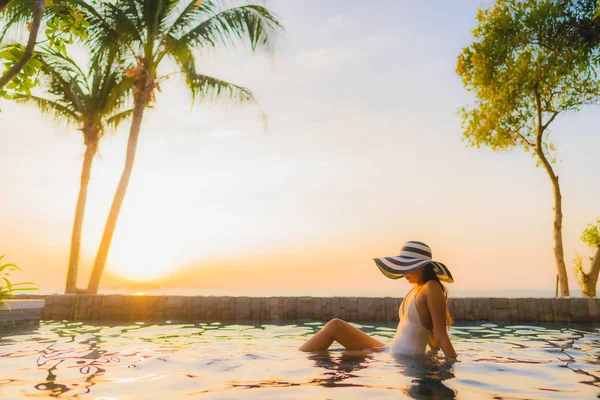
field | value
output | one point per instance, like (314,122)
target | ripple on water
(251,361)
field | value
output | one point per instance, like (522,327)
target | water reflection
(427,372)
(73,347)
(339,366)
(88,358)
(69,360)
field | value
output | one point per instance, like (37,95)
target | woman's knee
(335,324)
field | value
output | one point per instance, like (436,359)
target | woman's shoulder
(433,286)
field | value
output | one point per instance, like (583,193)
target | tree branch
(538,111)
(540,134)
(523,138)
(554,114)
(40,5)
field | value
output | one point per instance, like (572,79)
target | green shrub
(7,288)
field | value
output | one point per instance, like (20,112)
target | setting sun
(149,244)
(137,263)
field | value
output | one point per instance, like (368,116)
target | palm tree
(145,33)
(94,102)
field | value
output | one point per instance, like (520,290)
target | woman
(423,314)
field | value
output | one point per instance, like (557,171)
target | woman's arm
(437,308)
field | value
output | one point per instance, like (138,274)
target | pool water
(245,361)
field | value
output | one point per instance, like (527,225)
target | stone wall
(130,308)
(18,316)
(14,311)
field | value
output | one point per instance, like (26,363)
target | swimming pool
(218,361)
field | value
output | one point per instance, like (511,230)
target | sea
(264,292)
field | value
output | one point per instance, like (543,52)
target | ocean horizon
(263,292)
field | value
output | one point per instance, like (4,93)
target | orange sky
(363,153)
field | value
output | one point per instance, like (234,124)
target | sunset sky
(363,152)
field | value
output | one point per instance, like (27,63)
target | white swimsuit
(411,336)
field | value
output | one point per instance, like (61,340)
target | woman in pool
(424,317)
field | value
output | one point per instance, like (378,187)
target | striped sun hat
(413,255)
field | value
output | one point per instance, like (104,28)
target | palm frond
(251,23)
(183,18)
(115,120)
(16,14)
(105,32)
(204,87)
(181,52)
(173,12)
(61,62)
(111,92)
(117,91)
(213,90)
(90,98)
(126,20)
(153,13)
(50,107)
(63,82)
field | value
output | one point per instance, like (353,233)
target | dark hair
(430,275)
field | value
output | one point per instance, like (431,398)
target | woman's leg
(342,332)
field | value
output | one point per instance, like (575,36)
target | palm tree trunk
(141,102)
(90,152)
(590,287)
(40,5)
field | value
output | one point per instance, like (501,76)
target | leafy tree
(62,25)
(16,63)
(144,34)
(588,281)
(94,102)
(525,68)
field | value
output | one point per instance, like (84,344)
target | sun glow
(170,218)
(140,263)
(147,246)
